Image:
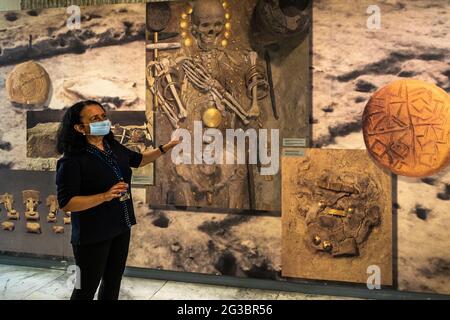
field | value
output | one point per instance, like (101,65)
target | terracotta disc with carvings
(406,127)
(28,83)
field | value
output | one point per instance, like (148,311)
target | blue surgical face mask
(100,128)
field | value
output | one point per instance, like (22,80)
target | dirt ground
(221,244)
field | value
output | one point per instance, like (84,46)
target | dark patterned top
(92,172)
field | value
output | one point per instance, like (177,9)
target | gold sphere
(227,16)
(189,9)
(184,34)
(317,240)
(327,246)
(212,118)
(188,42)
(224,43)
(183,24)
(225,4)
(228,26)
(227,34)
(184,16)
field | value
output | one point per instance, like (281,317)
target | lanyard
(110,160)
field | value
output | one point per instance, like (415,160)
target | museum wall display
(406,125)
(337,217)
(41,57)
(31,222)
(411,43)
(130,128)
(260,82)
(362,113)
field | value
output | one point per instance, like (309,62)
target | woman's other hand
(116,191)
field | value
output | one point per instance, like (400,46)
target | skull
(208,20)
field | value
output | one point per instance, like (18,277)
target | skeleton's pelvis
(211,185)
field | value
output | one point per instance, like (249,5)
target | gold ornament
(225,4)
(212,118)
(224,43)
(228,26)
(327,246)
(336,213)
(183,24)
(188,42)
(227,16)
(227,34)
(317,240)
(184,16)
(184,34)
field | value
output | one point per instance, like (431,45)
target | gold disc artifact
(212,118)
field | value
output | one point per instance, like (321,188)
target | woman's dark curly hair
(69,140)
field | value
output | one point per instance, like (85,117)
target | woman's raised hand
(173,143)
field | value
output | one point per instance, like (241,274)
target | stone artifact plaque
(67,220)
(406,127)
(29,84)
(336,219)
(8,225)
(33,227)
(58,229)
(52,203)
(7,200)
(31,201)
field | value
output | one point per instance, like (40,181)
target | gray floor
(24,283)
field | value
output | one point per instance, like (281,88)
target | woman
(93,183)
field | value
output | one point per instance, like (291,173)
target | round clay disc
(158,16)
(406,127)
(28,83)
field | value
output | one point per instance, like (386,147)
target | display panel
(48,62)
(337,218)
(382,42)
(130,128)
(226,66)
(38,227)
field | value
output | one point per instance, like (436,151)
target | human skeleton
(202,78)
(208,22)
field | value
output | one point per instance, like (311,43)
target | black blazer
(84,174)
